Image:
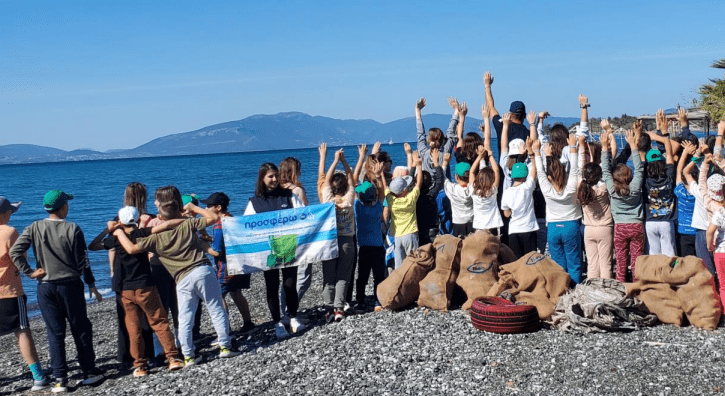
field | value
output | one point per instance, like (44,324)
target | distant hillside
(258,132)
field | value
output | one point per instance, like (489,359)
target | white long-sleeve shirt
(560,206)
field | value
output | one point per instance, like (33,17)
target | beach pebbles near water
(414,352)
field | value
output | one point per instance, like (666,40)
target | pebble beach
(413,352)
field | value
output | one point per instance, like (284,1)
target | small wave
(106,292)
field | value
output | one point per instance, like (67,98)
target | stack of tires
(498,315)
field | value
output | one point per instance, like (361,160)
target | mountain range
(289,130)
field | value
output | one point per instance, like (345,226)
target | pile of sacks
(478,266)
(678,290)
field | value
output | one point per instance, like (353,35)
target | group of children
(546,191)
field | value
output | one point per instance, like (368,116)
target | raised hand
(688,148)
(453,102)
(378,168)
(362,150)
(339,155)
(583,101)
(661,121)
(544,114)
(571,140)
(463,109)
(506,119)
(480,150)
(376,147)
(407,149)
(582,139)
(420,103)
(605,125)
(446,158)
(682,116)
(531,117)
(604,139)
(417,160)
(637,127)
(485,111)
(487,79)
(536,145)
(435,153)
(112,226)
(522,146)
(547,149)
(323,148)
(529,144)
(631,137)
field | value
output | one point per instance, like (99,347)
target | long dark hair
(656,169)
(170,203)
(591,174)
(260,188)
(135,195)
(622,176)
(556,172)
(559,140)
(470,143)
(483,183)
(289,171)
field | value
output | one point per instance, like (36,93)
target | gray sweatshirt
(59,248)
(625,209)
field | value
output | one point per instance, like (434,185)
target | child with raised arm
(139,296)
(686,234)
(401,200)
(625,197)
(339,188)
(13,308)
(369,222)
(483,186)
(518,204)
(60,250)
(461,203)
(427,207)
(596,215)
(182,255)
(659,186)
(562,211)
(435,138)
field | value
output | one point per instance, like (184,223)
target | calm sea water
(98,188)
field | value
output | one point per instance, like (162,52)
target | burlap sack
(479,265)
(401,288)
(436,289)
(691,290)
(535,280)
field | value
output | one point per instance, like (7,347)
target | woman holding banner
(270,196)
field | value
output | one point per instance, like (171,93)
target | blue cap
(517,107)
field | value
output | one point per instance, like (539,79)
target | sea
(98,188)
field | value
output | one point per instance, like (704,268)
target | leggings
(598,244)
(289,283)
(370,258)
(720,268)
(661,237)
(628,241)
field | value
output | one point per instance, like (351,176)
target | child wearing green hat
(659,187)
(461,202)
(517,203)
(60,250)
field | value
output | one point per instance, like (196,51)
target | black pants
(370,258)
(427,236)
(123,353)
(686,245)
(289,284)
(522,243)
(348,296)
(462,230)
(167,291)
(59,301)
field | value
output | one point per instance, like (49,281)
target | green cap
(186,198)
(55,199)
(366,191)
(462,168)
(654,155)
(519,170)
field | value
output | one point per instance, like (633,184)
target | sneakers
(248,326)
(378,308)
(339,315)
(302,319)
(176,364)
(40,385)
(140,372)
(225,352)
(215,343)
(92,377)
(296,325)
(61,386)
(190,361)
(280,331)
(285,320)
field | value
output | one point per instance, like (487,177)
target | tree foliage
(712,94)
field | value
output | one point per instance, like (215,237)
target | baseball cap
(366,191)
(217,198)
(186,198)
(519,170)
(518,107)
(654,155)
(400,184)
(55,199)
(6,205)
(514,146)
(128,215)
(462,168)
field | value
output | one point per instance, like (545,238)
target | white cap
(515,145)
(128,215)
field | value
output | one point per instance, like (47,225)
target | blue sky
(106,75)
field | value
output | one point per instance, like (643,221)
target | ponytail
(591,174)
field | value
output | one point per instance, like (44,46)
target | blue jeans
(201,284)
(59,301)
(565,247)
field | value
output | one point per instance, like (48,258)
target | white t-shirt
(719,220)
(461,203)
(505,170)
(699,214)
(485,211)
(520,200)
